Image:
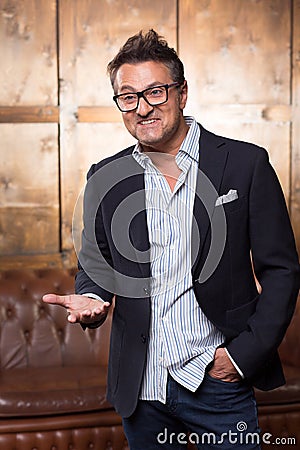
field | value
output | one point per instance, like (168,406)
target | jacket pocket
(237,318)
(235,205)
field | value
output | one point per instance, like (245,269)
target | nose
(143,108)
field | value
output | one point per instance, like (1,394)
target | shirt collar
(190,145)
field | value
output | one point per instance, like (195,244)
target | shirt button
(143,338)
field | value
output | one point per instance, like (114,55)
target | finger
(61,300)
(72,318)
(54,299)
(101,309)
(97,311)
(106,306)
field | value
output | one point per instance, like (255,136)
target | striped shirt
(182,341)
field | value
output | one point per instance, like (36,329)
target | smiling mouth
(147,122)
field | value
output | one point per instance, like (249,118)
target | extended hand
(80,308)
(223,369)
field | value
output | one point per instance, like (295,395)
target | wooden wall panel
(272,135)
(29,169)
(28,74)
(101,28)
(57,116)
(295,143)
(239,71)
(29,207)
(90,35)
(236,51)
(29,172)
(94,139)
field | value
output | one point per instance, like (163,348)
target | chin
(150,141)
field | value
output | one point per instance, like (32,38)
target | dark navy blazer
(256,222)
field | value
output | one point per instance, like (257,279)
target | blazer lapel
(138,230)
(212,163)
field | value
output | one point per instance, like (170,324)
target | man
(172,229)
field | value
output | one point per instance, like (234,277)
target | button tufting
(26,334)
(60,333)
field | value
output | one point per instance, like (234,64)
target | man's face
(157,128)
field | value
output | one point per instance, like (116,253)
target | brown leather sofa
(53,374)
(279,410)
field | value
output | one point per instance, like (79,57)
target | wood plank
(28,229)
(68,56)
(239,72)
(29,170)
(246,113)
(107,114)
(29,114)
(273,136)
(102,27)
(249,113)
(94,114)
(48,260)
(90,35)
(236,54)
(295,182)
(29,189)
(28,43)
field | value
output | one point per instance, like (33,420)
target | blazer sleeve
(276,267)
(94,260)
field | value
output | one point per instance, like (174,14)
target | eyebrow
(132,89)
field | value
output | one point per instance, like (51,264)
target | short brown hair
(147,47)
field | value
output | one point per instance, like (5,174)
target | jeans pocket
(218,380)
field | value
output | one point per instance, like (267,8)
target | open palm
(80,307)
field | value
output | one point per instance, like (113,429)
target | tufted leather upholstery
(279,410)
(52,373)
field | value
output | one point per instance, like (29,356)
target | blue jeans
(219,415)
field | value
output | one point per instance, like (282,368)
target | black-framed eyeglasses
(156,95)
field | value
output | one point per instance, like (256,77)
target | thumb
(54,299)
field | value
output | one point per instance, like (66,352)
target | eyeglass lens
(154,96)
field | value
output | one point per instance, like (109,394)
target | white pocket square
(226,198)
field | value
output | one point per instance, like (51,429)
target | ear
(183,95)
